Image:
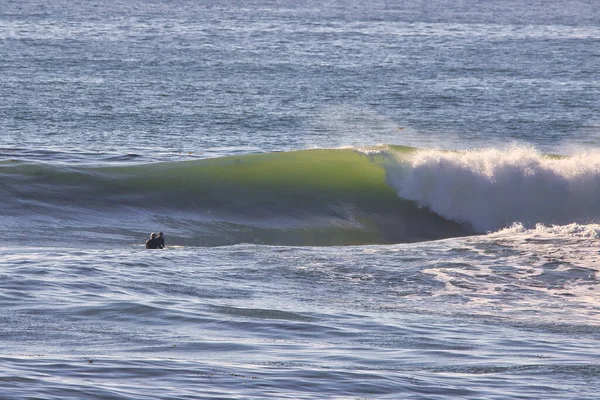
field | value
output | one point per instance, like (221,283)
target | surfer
(160,241)
(152,243)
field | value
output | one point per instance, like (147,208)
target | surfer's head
(153,235)
(160,234)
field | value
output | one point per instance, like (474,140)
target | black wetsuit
(152,243)
(160,242)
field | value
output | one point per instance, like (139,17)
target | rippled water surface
(213,78)
(458,318)
(310,254)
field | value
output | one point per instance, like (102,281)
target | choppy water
(309,253)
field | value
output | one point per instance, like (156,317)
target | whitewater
(491,189)
(359,201)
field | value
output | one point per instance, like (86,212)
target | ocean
(360,200)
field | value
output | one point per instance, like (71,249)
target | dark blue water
(215,78)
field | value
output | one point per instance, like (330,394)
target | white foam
(574,230)
(493,188)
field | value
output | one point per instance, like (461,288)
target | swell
(311,197)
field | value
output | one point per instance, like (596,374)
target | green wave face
(310,197)
(338,175)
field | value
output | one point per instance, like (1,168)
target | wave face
(311,197)
(492,189)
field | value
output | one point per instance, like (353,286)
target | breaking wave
(492,189)
(385,194)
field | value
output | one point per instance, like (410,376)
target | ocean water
(383,200)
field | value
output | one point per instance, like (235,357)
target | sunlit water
(94,93)
(508,315)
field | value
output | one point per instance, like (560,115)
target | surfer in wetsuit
(160,241)
(152,243)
